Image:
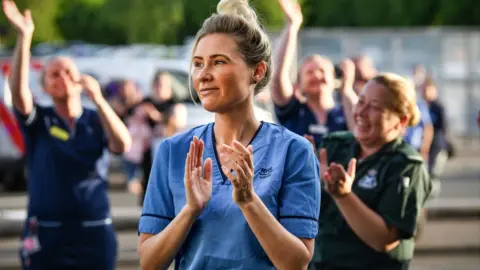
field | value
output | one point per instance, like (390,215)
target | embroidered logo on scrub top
(264,173)
(369,181)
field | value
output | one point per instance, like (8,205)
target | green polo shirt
(394,183)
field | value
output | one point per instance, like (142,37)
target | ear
(259,72)
(403,123)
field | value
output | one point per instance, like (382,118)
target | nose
(205,75)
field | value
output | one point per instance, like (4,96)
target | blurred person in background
(68,219)
(438,154)
(478,119)
(221,213)
(369,211)
(166,117)
(126,97)
(364,71)
(421,135)
(142,134)
(319,114)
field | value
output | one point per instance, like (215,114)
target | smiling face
(220,75)
(61,79)
(317,76)
(374,122)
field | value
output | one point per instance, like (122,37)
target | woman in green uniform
(369,210)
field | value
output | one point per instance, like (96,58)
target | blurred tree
(460,12)
(87,20)
(147,21)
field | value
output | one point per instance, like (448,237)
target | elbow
(125,144)
(301,261)
(384,247)
(121,146)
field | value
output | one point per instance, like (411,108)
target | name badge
(59,133)
(317,129)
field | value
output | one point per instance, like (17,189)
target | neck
(321,102)
(68,109)
(240,125)
(370,147)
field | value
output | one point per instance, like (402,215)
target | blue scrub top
(414,135)
(67,169)
(286,179)
(298,118)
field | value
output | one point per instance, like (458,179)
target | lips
(207,91)
(361,123)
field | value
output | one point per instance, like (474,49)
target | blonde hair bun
(237,8)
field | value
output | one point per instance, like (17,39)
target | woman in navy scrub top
(254,202)
(68,222)
(318,115)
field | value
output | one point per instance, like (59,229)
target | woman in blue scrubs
(68,221)
(254,202)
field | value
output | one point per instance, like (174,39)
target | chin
(360,135)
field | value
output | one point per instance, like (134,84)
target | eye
(55,74)
(197,64)
(219,62)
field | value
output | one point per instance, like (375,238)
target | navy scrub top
(67,168)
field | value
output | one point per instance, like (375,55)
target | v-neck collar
(211,134)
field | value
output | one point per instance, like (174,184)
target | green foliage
(170,21)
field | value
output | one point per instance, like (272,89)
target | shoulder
(405,153)
(339,137)
(283,137)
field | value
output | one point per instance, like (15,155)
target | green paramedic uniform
(394,183)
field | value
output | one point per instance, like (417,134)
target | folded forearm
(158,251)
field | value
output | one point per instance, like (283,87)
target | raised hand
(293,11)
(22,23)
(348,69)
(338,181)
(92,87)
(198,185)
(237,165)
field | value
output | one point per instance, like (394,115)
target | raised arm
(349,97)
(119,139)
(282,87)
(21,95)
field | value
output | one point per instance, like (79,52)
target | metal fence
(452,55)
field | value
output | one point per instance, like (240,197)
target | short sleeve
(29,122)
(299,196)
(284,112)
(404,197)
(158,208)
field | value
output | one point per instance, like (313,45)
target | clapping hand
(337,181)
(237,165)
(198,181)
